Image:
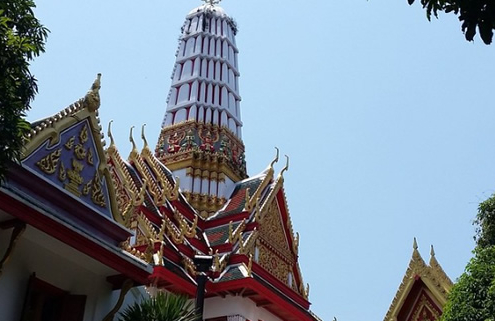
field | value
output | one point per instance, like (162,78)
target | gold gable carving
(47,133)
(432,275)
(424,306)
(274,251)
(272,232)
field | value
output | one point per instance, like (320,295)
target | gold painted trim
(433,276)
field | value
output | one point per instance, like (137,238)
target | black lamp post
(203,264)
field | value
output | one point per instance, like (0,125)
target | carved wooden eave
(159,195)
(170,191)
(432,275)
(129,197)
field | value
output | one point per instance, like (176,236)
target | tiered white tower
(201,135)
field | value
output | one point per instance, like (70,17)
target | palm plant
(162,307)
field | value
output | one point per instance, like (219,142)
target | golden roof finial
(112,142)
(275,159)
(286,167)
(432,251)
(92,99)
(415,244)
(131,139)
(143,137)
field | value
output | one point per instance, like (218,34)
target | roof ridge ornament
(92,99)
(211,2)
(131,139)
(275,160)
(286,167)
(109,133)
(143,136)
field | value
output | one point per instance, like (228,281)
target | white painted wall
(232,305)
(52,262)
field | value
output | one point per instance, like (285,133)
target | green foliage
(474,14)
(22,37)
(485,222)
(473,296)
(163,307)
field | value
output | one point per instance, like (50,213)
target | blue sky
(387,119)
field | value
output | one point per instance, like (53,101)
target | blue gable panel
(72,165)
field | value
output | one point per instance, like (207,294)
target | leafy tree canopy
(485,223)
(473,14)
(22,37)
(163,307)
(473,296)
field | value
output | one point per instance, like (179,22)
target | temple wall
(66,273)
(236,305)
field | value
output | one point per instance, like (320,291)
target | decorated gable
(273,252)
(421,305)
(423,291)
(71,163)
(66,151)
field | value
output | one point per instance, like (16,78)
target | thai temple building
(423,291)
(85,230)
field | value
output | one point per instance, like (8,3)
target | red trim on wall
(276,283)
(164,278)
(70,237)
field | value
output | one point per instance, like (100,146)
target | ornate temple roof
(191,195)
(63,187)
(422,292)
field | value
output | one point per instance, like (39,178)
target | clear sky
(388,120)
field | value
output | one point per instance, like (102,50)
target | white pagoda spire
(205,84)
(201,140)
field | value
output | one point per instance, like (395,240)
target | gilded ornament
(286,167)
(87,187)
(70,143)
(92,99)
(83,135)
(174,142)
(80,152)
(62,173)
(90,158)
(275,160)
(273,264)
(75,178)
(48,164)
(272,232)
(424,306)
(250,265)
(208,140)
(188,142)
(97,195)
